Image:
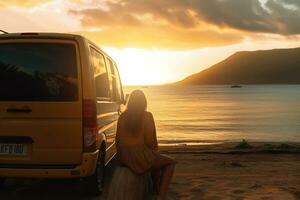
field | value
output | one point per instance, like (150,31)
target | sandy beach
(232,174)
(208,172)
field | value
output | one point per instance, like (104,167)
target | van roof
(44,35)
(39,35)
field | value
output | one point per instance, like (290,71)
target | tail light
(90,131)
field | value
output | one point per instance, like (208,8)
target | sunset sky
(160,41)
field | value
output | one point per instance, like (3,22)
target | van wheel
(2,181)
(94,184)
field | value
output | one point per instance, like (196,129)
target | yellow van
(60,99)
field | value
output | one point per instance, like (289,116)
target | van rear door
(40,102)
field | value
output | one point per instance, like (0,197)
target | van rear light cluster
(90,130)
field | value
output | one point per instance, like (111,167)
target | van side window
(114,81)
(119,90)
(111,67)
(101,75)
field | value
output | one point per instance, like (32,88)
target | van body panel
(54,126)
(86,168)
(107,123)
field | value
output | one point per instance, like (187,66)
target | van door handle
(19,110)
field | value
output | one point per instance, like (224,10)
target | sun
(136,67)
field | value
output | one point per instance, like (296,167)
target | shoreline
(231,147)
(186,141)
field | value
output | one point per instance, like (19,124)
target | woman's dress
(137,151)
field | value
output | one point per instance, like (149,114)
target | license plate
(13,149)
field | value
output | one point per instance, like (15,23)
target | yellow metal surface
(86,168)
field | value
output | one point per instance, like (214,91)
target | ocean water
(191,114)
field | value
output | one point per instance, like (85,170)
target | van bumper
(86,168)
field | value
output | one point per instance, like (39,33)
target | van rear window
(38,72)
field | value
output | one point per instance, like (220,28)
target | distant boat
(236,86)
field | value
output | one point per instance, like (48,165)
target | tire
(2,182)
(94,184)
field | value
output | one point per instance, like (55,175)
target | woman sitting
(137,146)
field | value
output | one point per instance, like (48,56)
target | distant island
(278,66)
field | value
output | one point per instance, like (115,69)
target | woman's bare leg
(165,180)
(167,166)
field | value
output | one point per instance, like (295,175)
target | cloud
(264,16)
(160,37)
(150,24)
(188,23)
(274,16)
(21,3)
(101,18)
(285,15)
(172,12)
